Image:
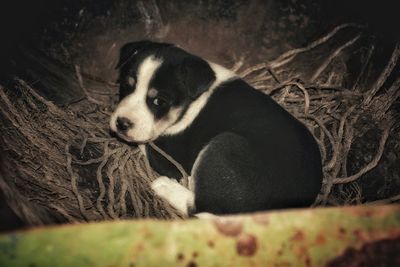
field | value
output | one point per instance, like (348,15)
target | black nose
(123,124)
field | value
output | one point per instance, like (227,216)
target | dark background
(41,22)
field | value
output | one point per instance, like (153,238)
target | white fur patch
(222,74)
(131,81)
(177,195)
(206,216)
(134,107)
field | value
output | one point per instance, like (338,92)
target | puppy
(243,151)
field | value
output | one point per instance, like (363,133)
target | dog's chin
(129,139)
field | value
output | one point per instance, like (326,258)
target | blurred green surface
(310,237)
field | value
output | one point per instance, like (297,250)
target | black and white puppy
(243,151)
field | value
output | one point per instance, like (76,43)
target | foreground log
(364,236)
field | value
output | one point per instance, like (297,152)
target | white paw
(178,196)
(206,216)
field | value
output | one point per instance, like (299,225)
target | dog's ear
(129,50)
(197,76)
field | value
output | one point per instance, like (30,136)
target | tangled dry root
(62,165)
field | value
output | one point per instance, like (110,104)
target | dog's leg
(177,195)
(228,178)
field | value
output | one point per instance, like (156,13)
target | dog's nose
(123,124)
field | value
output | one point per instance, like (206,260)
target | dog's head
(158,81)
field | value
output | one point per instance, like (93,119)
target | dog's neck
(221,75)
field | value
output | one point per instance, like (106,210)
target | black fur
(258,156)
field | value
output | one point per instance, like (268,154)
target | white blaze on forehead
(221,75)
(146,71)
(134,107)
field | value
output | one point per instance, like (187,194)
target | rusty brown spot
(261,219)
(308,261)
(320,239)
(368,213)
(139,247)
(191,264)
(361,235)
(210,243)
(298,236)
(301,251)
(378,211)
(279,252)
(302,254)
(246,245)
(180,257)
(229,227)
(195,254)
(342,231)
(378,253)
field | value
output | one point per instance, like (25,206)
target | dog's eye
(131,81)
(158,101)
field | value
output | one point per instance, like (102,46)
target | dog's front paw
(162,184)
(206,216)
(178,196)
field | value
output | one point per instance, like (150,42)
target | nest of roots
(62,165)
